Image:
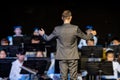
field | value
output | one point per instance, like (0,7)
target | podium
(36,65)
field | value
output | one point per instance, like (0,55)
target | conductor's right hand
(94,32)
(41,32)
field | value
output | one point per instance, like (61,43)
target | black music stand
(5,66)
(57,69)
(92,51)
(92,69)
(38,64)
(5,47)
(106,68)
(17,40)
(34,47)
(27,39)
(12,50)
(91,54)
(99,68)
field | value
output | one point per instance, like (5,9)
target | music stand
(27,39)
(99,68)
(17,40)
(92,51)
(13,50)
(5,66)
(57,69)
(106,67)
(34,47)
(92,67)
(39,64)
(4,47)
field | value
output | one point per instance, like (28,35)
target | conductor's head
(66,15)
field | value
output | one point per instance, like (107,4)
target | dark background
(104,16)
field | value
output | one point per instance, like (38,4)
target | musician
(4,42)
(17,33)
(83,42)
(115,41)
(16,68)
(3,54)
(90,42)
(116,66)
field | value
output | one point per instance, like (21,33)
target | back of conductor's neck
(66,22)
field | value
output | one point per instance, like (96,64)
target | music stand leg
(89,77)
(100,72)
(92,77)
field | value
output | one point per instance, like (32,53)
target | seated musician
(4,42)
(36,39)
(16,67)
(39,53)
(17,29)
(90,42)
(3,54)
(115,41)
(116,66)
(84,73)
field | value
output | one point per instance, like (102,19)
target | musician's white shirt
(15,72)
(82,42)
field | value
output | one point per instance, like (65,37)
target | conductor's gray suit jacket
(66,36)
